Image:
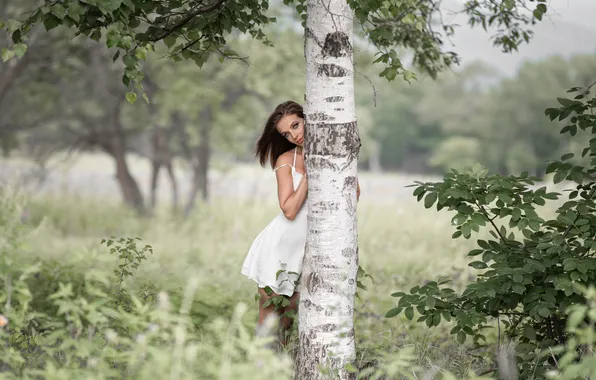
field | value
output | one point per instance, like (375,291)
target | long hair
(272,144)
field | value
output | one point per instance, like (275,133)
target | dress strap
(281,166)
(293,166)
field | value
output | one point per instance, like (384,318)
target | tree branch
(491,220)
(187,19)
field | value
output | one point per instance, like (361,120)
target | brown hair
(272,144)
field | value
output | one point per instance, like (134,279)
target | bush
(65,324)
(530,269)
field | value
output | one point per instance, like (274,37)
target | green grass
(401,244)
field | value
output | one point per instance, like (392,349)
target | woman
(280,246)
(274,260)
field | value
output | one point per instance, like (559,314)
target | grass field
(401,245)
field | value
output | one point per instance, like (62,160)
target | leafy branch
(528,275)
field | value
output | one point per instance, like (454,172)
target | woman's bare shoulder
(286,158)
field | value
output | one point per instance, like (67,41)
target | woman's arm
(290,201)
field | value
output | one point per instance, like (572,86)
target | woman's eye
(295,125)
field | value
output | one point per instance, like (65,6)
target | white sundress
(280,246)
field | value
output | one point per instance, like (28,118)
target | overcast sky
(569,28)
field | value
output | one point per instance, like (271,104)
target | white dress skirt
(275,256)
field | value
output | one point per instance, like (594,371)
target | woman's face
(292,128)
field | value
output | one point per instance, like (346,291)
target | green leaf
(58,11)
(560,176)
(95,35)
(7,54)
(544,311)
(431,302)
(461,337)
(131,97)
(393,312)
(430,199)
(130,61)
(436,319)
(567,156)
(51,21)
(409,312)
(541,7)
(565,102)
(478,265)
(19,49)
(537,14)
(12,25)
(515,214)
(170,40)
(419,190)
(530,332)
(475,252)
(518,288)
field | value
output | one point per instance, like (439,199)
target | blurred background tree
(65,95)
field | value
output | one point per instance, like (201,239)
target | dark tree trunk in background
(161,156)
(200,161)
(128,186)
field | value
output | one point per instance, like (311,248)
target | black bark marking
(327,327)
(313,283)
(323,163)
(309,304)
(334,99)
(349,183)
(338,109)
(334,140)
(347,252)
(327,205)
(337,44)
(332,70)
(309,353)
(319,116)
(309,34)
(351,333)
(349,192)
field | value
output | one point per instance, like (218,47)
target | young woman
(274,260)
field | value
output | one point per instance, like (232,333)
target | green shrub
(66,324)
(529,270)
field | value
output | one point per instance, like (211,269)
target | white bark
(328,280)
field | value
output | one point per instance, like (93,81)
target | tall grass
(188,312)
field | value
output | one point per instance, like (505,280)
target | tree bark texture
(328,280)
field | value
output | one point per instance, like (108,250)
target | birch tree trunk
(328,281)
